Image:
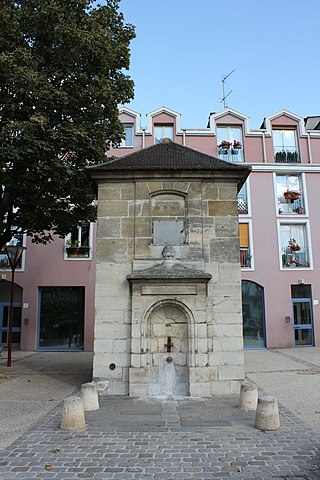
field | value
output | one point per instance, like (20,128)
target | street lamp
(13,252)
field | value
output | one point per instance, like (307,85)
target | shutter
(244,235)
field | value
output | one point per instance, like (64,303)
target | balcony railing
(234,155)
(286,154)
(298,259)
(242,203)
(290,207)
(245,257)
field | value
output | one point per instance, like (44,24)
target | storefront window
(61,318)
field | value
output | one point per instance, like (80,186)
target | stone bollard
(72,414)
(267,414)
(89,396)
(248,396)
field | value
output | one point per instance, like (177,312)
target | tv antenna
(224,95)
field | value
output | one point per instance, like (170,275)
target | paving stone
(155,451)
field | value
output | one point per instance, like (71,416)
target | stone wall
(126,215)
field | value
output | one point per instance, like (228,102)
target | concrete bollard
(89,396)
(248,396)
(72,414)
(267,414)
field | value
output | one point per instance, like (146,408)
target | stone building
(168,289)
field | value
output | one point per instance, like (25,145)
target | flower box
(78,252)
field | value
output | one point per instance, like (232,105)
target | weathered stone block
(143,227)
(226,227)
(231,372)
(227,193)
(203,374)
(225,250)
(232,344)
(112,250)
(210,191)
(222,209)
(108,228)
(113,209)
(200,389)
(127,227)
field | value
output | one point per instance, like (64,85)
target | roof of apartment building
(312,123)
(168,155)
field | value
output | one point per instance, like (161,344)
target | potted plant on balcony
(281,157)
(224,145)
(293,245)
(291,195)
(75,250)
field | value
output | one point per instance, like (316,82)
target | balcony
(286,154)
(298,259)
(233,155)
(245,257)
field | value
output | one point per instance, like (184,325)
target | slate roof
(312,123)
(169,156)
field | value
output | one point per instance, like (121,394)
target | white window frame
(304,193)
(295,221)
(243,219)
(68,238)
(163,126)
(124,141)
(246,215)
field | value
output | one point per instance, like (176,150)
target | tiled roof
(168,156)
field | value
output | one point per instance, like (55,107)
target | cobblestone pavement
(184,439)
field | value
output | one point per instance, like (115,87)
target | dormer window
(127,141)
(230,143)
(163,131)
(285,145)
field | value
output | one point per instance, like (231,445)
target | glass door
(302,317)
(16,325)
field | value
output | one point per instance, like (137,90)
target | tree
(62,77)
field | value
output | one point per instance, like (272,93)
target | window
(163,131)
(294,246)
(17,239)
(243,200)
(128,138)
(79,241)
(245,254)
(61,318)
(230,144)
(285,146)
(168,219)
(290,199)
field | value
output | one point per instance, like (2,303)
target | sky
(184,48)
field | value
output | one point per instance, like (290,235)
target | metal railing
(233,155)
(286,154)
(245,257)
(291,259)
(290,207)
(242,203)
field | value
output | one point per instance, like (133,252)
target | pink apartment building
(278,227)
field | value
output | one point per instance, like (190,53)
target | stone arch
(169,335)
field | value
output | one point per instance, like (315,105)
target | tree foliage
(62,77)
